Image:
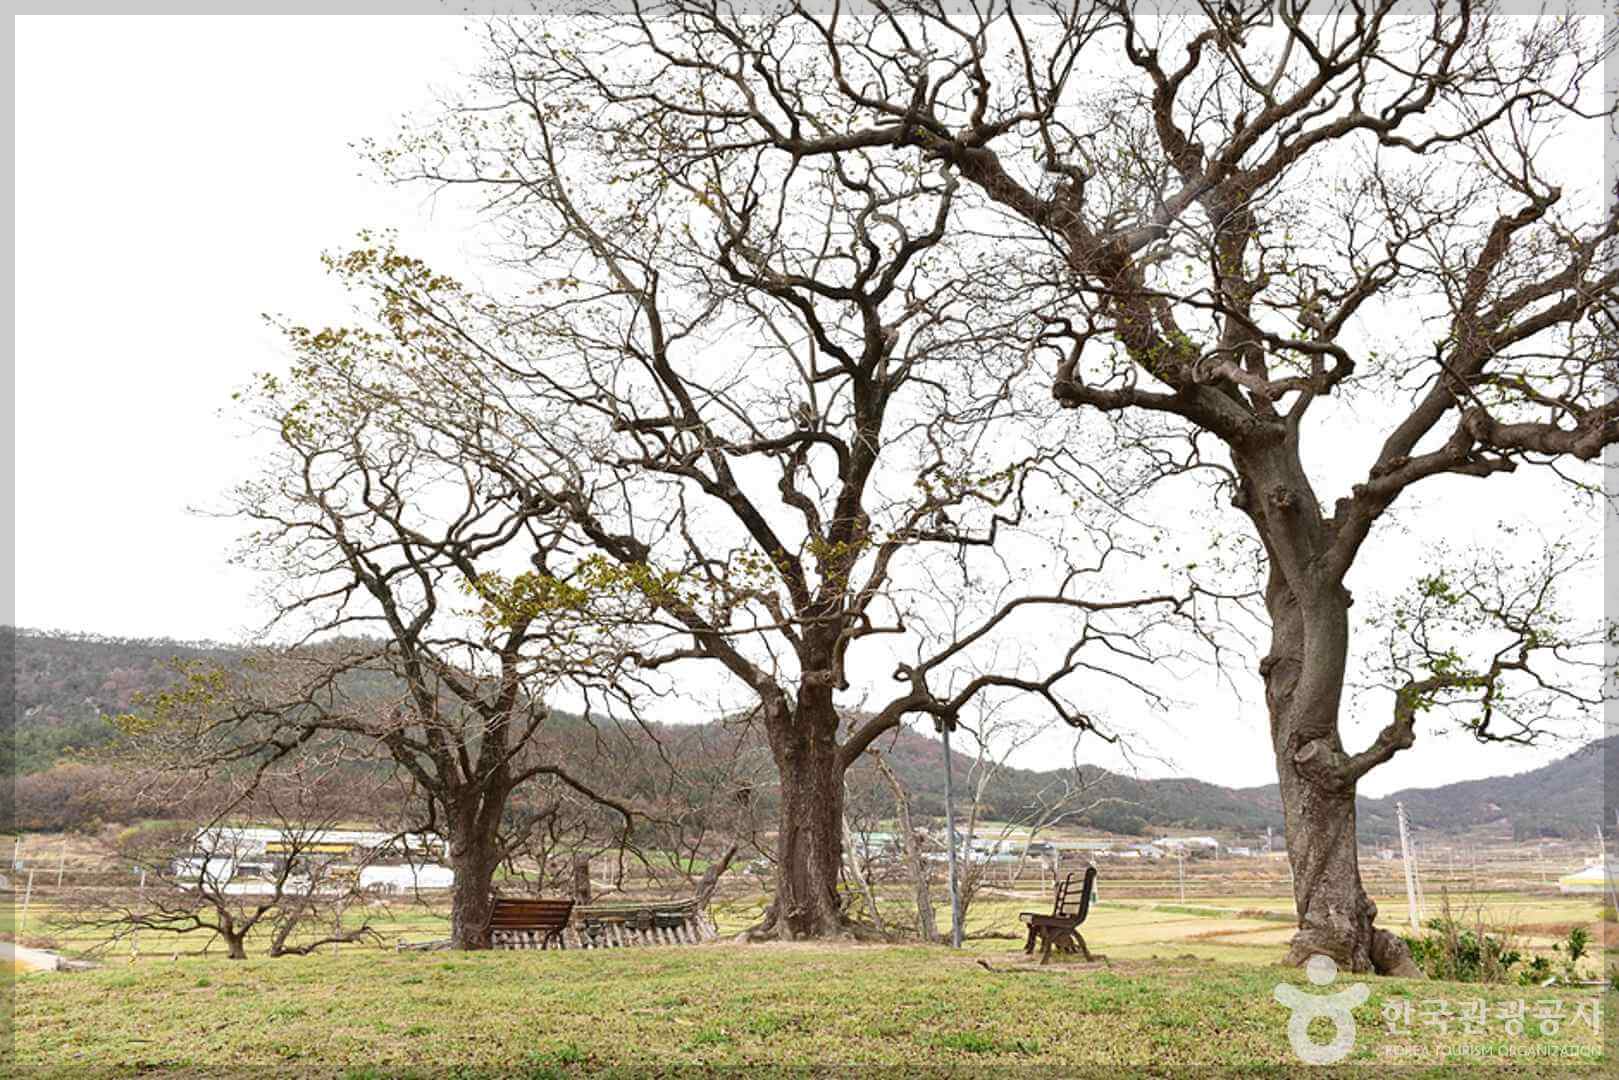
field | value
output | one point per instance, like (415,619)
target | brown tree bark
(1303,675)
(1335,916)
(235,944)
(809,840)
(475,855)
(471,902)
(711,877)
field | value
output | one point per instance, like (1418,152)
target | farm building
(406,877)
(240,859)
(1595,878)
(1185,843)
(874,844)
(1136,851)
(248,841)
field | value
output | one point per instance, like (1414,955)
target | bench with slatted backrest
(517,922)
(1060,929)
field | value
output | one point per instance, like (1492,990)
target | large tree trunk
(474,856)
(1335,914)
(1303,690)
(235,944)
(809,841)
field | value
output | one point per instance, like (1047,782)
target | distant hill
(1132,807)
(65,687)
(1562,799)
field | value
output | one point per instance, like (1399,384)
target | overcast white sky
(176,177)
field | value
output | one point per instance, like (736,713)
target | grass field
(729,1010)
(1186,990)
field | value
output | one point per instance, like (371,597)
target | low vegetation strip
(1223,913)
(726,1010)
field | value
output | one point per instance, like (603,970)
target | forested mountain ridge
(65,686)
(1569,797)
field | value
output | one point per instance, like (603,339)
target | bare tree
(1069,793)
(552,834)
(1214,208)
(915,864)
(996,736)
(453,724)
(871,847)
(204,867)
(731,404)
(704,795)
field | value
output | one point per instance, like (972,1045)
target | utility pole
(28,894)
(1606,868)
(1410,868)
(581,878)
(135,938)
(945,726)
(1416,863)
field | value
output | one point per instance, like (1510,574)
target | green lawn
(727,1010)
(1158,1007)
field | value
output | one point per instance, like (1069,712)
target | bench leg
(1028,946)
(1079,939)
(1045,953)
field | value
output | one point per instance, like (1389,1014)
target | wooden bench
(1060,929)
(524,923)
